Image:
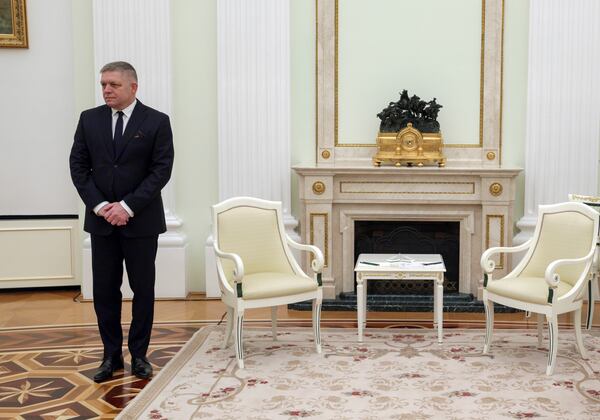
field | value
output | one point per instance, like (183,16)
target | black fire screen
(409,237)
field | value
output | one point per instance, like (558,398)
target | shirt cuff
(126,207)
(99,207)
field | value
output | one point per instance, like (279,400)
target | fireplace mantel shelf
(403,170)
(334,197)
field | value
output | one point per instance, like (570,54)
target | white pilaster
(253,59)
(253,62)
(139,32)
(563,105)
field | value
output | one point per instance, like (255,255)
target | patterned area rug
(394,374)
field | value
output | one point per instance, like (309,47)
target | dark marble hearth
(453,302)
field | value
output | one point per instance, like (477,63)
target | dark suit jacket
(141,168)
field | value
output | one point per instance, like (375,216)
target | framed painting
(13,24)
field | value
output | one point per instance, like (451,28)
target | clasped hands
(115,214)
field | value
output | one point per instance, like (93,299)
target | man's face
(118,89)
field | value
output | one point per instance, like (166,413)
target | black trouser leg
(107,270)
(140,254)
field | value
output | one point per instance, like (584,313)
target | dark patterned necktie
(118,137)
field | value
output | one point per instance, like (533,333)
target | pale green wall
(83,57)
(303,89)
(195,124)
(514,100)
(195,103)
(432,55)
(83,81)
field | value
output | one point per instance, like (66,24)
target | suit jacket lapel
(137,117)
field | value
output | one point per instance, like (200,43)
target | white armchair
(256,268)
(551,278)
(593,289)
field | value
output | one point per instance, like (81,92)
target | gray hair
(121,66)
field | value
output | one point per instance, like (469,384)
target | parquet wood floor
(50,347)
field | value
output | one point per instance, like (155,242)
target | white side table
(423,267)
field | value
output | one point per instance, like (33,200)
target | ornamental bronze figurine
(409,133)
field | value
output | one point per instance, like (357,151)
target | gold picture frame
(13,24)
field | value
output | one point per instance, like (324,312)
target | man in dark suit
(121,158)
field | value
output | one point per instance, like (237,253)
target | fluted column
(253,61)
(139,32)
(563,105)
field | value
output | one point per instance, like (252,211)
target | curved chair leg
(577,326)
(553,341)
(274,322)
(489,324)
(228,328)
(239,345)
(540,329)
(592,285)
(316,320)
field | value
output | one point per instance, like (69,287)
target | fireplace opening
(409,237)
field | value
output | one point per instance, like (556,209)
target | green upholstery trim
(550,294)
(239,289)
(485,279)
(269,285)
(320,279)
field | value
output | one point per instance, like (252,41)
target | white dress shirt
(126,116)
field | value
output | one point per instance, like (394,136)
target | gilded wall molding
(481,84)
(318,187)
(325,247)
(488,221)
(469,191)
(490,84)
(496,189)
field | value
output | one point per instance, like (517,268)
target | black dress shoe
(106,369)
(141,367)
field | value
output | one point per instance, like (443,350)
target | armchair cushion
(268,285)
(526,289)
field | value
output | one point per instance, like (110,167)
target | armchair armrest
(553,278)
(318,262)
(238,272)
(488,265)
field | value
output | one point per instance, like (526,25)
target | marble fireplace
(334,199)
